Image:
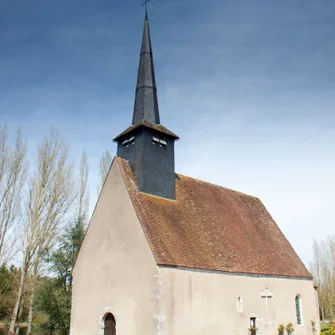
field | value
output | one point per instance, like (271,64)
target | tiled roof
(212,228)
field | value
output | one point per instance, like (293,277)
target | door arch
(109,324)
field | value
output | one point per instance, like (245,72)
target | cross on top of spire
(145,3)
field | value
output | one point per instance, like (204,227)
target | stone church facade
(168,254)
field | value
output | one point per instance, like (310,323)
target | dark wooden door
(110,325)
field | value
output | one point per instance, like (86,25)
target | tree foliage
(54,295)
(8,282)
(34,205)
(323,269)
(50,195)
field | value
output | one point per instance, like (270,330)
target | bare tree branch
(105,163)
(51,193)
(323,269)
(83,195)
(13,170)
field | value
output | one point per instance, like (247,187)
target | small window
(298,309)
(161,143)
(253,326)
(128,141)
(240,304)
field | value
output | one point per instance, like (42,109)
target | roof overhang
(147,124)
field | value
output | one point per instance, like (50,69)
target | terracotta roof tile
(212,228)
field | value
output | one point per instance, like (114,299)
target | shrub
(289,328)
(281,330)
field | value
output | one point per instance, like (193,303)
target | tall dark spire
(146,144)
(146,102)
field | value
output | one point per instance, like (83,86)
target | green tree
(8,283)
(54,294)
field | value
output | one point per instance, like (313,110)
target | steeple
(146,144)
(146,102)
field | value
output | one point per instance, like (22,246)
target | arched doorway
(109,325)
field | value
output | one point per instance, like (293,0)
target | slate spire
(146,102)
(147,145)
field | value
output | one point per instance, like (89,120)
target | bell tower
(147,144)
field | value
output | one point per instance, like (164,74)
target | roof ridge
(219,186)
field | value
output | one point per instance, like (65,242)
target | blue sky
(249,86)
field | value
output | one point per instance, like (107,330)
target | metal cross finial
(145,3)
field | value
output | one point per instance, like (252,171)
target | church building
(167,254)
